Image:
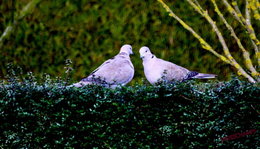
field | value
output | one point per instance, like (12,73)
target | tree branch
(248,20)
(10,28)
(234,3)
(254,5)
(246,55)
(203,43)
(247,26)
(234,63)
(247,13)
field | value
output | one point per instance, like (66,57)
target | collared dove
(114,72)
(157,70)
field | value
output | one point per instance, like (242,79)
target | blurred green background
(91,31)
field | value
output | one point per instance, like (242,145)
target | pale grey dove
(114,72)
(157,70)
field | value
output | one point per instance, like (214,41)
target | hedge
(180,115)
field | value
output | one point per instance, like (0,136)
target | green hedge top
(182,115)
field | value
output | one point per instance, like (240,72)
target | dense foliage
(182,115)
(90,31)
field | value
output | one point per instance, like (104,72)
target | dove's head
(126,49)
(145,53)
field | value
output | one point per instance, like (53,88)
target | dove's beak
(141,57)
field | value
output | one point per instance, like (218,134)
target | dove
(117,71)
(157,70)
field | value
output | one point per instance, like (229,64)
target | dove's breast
(152,72)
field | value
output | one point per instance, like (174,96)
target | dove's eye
(146,51)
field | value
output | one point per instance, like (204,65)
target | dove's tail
(205,76)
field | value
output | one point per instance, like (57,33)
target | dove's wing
(171,71)
(107,62)
(118,70)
